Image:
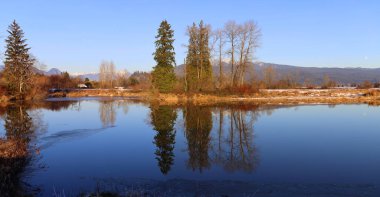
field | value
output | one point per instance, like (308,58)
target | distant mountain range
(301,74)
(90,76)
(53,71)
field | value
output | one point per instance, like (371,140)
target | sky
(76,35)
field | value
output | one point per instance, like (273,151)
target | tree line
(235,42)
(231,48)
(20,78)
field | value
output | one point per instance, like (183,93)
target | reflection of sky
(2,131)
(317,143)
(308,144)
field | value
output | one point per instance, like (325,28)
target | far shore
(271,96)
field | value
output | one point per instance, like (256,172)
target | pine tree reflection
(14,150)
(163,119)
(198,125)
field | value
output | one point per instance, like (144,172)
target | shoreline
(272,96)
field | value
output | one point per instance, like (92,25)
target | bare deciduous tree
(248,40)
(217,46)
(269,76)
(106,74)
(243,41)
(231,31)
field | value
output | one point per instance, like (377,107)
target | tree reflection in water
(14,150)
(107,112)
(198,125)
(230,145)
(22,122)
(235,149)
(163,119)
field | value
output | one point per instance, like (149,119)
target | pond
(71,147)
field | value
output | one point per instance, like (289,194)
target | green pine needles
(198,64)
(163,76)
(18,62)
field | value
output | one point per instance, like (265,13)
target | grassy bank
(278,96)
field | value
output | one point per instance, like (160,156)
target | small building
(119,88)
(82,85)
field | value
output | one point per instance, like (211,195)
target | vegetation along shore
(278,96)
(219,67)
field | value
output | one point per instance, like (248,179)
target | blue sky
(76,35)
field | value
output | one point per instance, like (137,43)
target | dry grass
(278,96)
(13,148)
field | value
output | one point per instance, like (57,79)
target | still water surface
(87,145)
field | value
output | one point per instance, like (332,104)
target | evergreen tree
(204,53)
(198,65)
(18,62)
(192,69)
(163,77)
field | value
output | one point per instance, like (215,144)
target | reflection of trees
(59,105)
(163,119)
(198,125)
(18,123)
(230,145)
(240,151)
(107,111)
(124,106)
(233,146)
(14,156)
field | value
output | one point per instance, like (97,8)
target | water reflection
(198,125)
(22,124)
(14,155)
(108,108)
(218,138)
(163,119)
(235,149)
(107,113)
(230,146)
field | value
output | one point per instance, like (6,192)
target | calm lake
(84,146)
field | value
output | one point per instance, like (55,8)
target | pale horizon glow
(75,36)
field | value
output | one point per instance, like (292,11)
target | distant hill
(95,76)
(315,74)
(302,74)
(53,71)
(90,76)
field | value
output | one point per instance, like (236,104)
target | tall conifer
(198,65)
(163,77)
(18,62)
